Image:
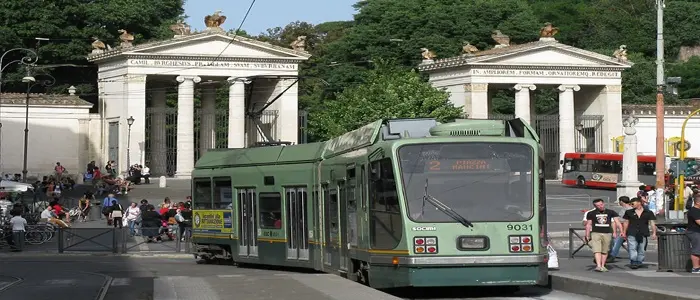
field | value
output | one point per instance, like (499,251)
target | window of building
(385,214)
(270,210)
(223,193)
(201,198)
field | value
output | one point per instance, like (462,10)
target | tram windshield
(478,180)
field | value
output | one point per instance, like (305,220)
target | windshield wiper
(443,208)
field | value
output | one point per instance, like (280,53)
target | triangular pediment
(548,54)
(208,45)
(540,53)
(219,44)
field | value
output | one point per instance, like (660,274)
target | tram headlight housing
(472,243)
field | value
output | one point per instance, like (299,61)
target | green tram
(396,203)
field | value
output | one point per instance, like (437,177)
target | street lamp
(30,59)
(129,121)
(31,82)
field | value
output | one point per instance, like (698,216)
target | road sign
(679,167)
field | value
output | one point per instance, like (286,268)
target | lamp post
(129,121)
(30,59)
(31,82)
(660,153)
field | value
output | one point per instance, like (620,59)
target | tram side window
(223,193)
(201,198)
(385,223)
(270,210)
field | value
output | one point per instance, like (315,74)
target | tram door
(247,223)
(342,236)
(297,224)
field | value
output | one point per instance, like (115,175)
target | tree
(70,26)
(388,92)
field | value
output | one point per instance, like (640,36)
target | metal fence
(120,240)
(588,133)
(210,132)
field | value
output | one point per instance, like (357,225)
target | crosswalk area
(291,286)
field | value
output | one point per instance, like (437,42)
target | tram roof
(217,158)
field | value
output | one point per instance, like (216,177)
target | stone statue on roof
(181,29)
(548,31)
(500,38)
(621,53)
(468,48)
(299,44)
(427,54)
(214,21)
(126,38)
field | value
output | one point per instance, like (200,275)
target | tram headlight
(472,243)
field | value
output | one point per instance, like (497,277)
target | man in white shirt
(19,226)
(146,174)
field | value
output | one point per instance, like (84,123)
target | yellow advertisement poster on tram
(213,221)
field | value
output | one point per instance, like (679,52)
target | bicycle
(39,234)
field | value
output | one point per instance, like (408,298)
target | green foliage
(388,92)
(70,26)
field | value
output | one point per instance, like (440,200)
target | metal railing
(573,233)
(120,240)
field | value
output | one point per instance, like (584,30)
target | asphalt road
(153,278)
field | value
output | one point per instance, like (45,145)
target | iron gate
(589,137)
(161,134)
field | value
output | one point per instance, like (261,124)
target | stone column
(522,101)
(612,115)
(566,121)
(185,125)
(288,119)
(84,155)
(476,100)
(629,184)
(236,112)
(135,102)
(207,129)
(158,147)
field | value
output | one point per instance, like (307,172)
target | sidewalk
(577,276)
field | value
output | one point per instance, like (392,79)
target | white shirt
(146,170)
(18,223)
(46,214)
(132,213)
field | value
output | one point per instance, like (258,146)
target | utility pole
(660,151)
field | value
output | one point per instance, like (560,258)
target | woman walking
(116,214)
(132,215)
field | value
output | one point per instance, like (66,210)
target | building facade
(138,81)
(589,84)
(59,127)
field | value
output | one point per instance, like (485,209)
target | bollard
(161,182)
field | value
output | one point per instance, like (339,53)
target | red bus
(603,170)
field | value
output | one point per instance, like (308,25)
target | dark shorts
(694,238)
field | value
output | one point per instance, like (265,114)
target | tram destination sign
(168,63)
(465,165)
(545,73)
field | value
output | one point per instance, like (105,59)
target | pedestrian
(601,228)
(133,213)
(116,213)
(19,227)
(625,205)
(693,234)
(106,206)
(636,230)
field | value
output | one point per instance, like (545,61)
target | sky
(268,13)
